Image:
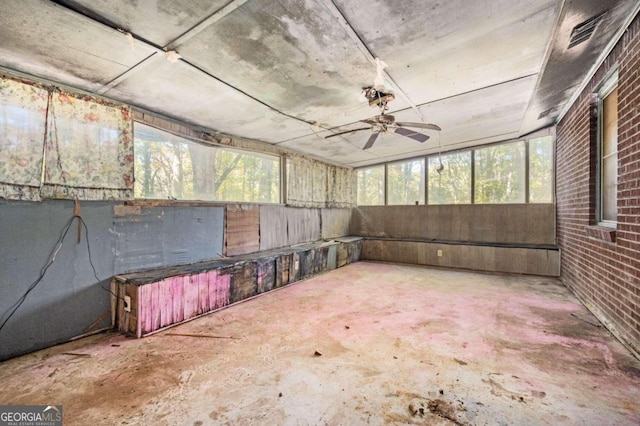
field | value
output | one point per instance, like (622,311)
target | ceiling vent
(583,31)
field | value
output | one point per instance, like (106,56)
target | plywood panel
(177,295)
(349,250)
(134,293)
(155,306)
(282,226)
(224,290)
(273,227)
(315,260)
(519,260)
(332,257)
(190,283)
(485,223)
(266,274)
(284,273)
(153,237)
(244,281)
(203,292)
(335,222)
(120,318)
(145,309)
(295,268)
(27,232)
(172,295)
(303,225)
(242,227)
(166,302)
(219,283)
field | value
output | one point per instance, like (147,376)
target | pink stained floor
(369,343)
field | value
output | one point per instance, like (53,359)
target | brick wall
(604,274)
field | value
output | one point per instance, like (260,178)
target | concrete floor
(369,343)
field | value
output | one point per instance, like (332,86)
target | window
(405,182)
(452,185)
(169,166)
(371,186)
(500,173)
(608,151)
(246,176)
(541,170)
(163,166)
(510,172)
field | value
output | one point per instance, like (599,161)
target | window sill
(148,202)
(603,233)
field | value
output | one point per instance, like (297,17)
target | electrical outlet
(127,303)
(439,253)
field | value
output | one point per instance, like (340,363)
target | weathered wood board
(242,229)
(167,296)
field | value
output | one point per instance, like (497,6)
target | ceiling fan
(386,123)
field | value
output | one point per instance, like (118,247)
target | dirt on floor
(369,343)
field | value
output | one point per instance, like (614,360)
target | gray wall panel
(282,226)
(487,223)
(273,227)
(69,298)
(534,261)
(163,236)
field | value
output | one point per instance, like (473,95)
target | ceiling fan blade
(347,131)
(371,140)
(411,134)
(369,121)
(419,125)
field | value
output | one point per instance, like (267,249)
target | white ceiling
(290,72)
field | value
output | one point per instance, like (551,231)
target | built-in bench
(148,301)
(490,257)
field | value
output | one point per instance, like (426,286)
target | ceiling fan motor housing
(385,119)
(377,98)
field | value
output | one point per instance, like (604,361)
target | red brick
(603,273)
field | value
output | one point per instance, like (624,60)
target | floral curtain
(311,183)
(23,112)
(306,182)
(88,149)
(341,187)
(55,144)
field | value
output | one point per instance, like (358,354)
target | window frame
(553,169)
(609,84)
(547,132)
(384,183)
(424,179)
(525,170)
(471,152)
(279,158)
